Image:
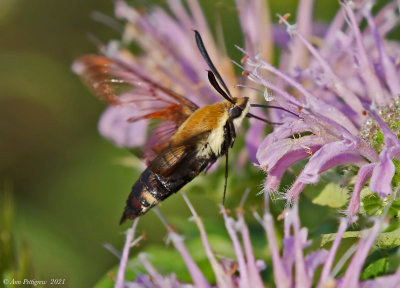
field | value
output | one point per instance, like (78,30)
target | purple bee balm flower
(294,267)
(346,90)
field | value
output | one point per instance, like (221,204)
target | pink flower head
(346,89)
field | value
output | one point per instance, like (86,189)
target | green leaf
(396,176)
(372,204)
(378,140)
(391,256)
(332,195)
(327,238)
(388,239)
(384,240)
(375,269)
(395,208)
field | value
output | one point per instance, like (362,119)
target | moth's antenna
(210,64)
(214,83)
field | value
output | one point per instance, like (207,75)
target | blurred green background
(67,183)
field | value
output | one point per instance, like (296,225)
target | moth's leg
(226,173)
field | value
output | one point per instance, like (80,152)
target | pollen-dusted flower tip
(346,90)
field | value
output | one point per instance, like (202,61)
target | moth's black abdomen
(151,187)
(142,197)
(133,206)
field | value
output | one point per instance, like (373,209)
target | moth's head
(238,107)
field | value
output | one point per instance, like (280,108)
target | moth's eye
(235,112)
